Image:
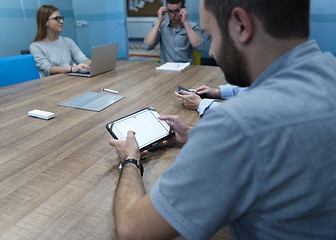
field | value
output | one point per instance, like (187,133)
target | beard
(233,63)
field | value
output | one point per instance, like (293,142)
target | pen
(109,90)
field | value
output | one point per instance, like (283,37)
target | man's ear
(242,23)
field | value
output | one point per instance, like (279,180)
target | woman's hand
(79,67)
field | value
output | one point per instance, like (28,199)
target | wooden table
(58,176)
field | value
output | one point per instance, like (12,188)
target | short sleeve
(211,183)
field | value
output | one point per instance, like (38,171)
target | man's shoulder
(164,24)
(251,107)
(192,24)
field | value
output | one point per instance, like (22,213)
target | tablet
(149,130)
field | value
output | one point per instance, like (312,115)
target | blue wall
(106,23)
(193,11)
(323,24)
(17,23)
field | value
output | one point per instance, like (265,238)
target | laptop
(103,59)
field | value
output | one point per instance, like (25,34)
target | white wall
(138,27)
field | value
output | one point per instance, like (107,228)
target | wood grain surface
(58,176)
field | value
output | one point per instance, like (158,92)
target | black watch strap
(134,161)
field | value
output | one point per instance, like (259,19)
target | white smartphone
(149,130)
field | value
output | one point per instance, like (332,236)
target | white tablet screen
(145,124)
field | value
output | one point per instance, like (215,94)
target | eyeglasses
(175,12)
(58,18)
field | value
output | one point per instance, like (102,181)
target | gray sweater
(62,52)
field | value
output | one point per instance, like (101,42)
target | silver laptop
(103,59)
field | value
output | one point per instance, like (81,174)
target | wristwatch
(134,161)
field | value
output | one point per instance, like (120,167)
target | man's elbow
(148,47)
(198,46)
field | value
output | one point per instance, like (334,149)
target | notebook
(173,66)
(103,59)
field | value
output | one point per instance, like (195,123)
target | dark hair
(176,2)
(280,18)
(41,19)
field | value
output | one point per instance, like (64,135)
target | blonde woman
(53,53)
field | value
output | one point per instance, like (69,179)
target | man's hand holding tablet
(149,129)
(125,138)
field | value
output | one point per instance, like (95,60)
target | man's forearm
(152,35)
(194,38)
(129,190)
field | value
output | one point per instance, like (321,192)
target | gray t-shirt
(263,163)
(62,52)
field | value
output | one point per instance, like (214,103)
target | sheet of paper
(173,66)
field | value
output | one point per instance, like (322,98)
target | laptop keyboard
(84,71)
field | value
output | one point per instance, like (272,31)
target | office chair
(25,52)
(196,57)
(16,69)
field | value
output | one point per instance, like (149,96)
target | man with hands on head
(262,163)
(204,98)
(177,36)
